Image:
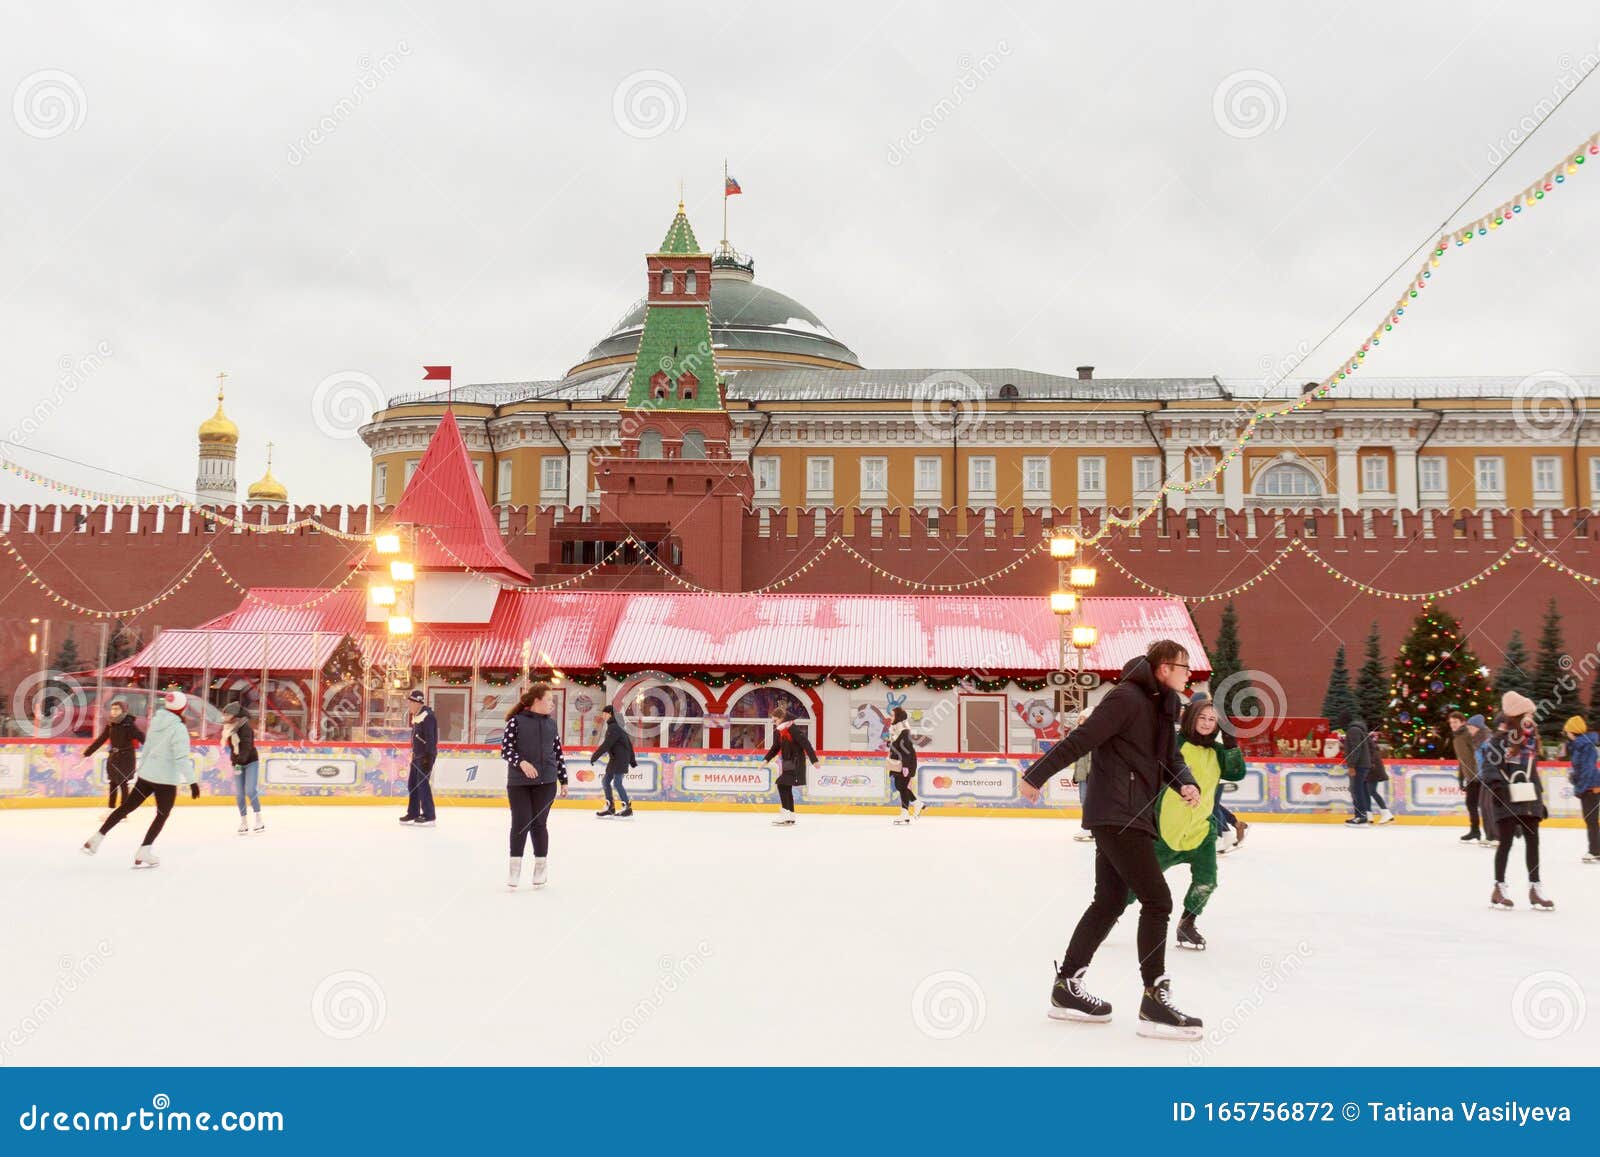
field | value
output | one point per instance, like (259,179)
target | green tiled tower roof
(676,339)
(680,238)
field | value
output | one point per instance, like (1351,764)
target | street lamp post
(397,594)
(1074,579)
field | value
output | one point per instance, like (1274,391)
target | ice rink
(339,937)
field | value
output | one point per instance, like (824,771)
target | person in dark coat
(1465,737)
(617,747)
(536,772)
(794,750)
(1132,736)
(122,734)
(1583,748)
(1377,776)
(239,739)
(1514,795)
(1358,759)
(902,761)
(424,750)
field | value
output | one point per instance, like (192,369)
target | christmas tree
(67,658)
(1339,704)
(1555,689)
(1513,674)
(1228,688)
(1372,685)
(1434,674)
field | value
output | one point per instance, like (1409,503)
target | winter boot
(785,820)
(92,844)
(514,877)
(1069,1000)
(1188,935)
(261,824)
(1499,899)
(1540,902)
(541,872)
(1159,1017)
(244,826)
(608,810)
(626,813)
(146,858)
(904,817)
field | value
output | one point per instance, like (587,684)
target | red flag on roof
(436,373)
(730,186)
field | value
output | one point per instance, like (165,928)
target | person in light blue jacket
(164,766)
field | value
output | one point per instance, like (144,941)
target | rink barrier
(43,774)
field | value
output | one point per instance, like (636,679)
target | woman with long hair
(239,740)
(1514,796)
(903,765)
(535,774)
(793,750)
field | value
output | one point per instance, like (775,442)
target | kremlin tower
(219,451)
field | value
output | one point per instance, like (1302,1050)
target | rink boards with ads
(51,774)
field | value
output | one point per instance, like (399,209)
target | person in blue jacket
(424,750)
(164,766)
(1582,746)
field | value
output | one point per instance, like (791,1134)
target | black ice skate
(1159,1017)
(1069,1000)
(626,813)
(607,811)
(1188,935)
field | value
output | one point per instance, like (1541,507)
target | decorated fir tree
(1434,674)
(1555,689)
(1372,684)
(1516,671)
(1339,703)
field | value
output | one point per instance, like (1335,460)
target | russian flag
(730,186)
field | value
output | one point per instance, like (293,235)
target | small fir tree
(1515,671)
(1372,684)
(1228,688)
(1555,688)
(1339,703)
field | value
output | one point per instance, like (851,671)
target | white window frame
(980,480)
(931,493)
(1091,478)
(874,492)
(1036,491)
(1146,488)
(553,479)
(1489,494)
(411,469)
(767,472)
(1200,462)
(502,482)
(1435,493)
(1375,475)
(380,483)
(819,480)
(1554,492)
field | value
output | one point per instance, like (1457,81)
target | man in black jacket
(618,748)
(1358,760)
(424,751)
(1132,736)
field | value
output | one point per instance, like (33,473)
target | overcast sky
(290,194)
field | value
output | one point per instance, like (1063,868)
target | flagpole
(724,202)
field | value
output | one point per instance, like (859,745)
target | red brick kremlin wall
(1290,622)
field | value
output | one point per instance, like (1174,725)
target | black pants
(1474,790)
(1375,794)
(166,795)
(1124,862)
(419,790)
(1510,827)
(121,784)
(1590,801)
(530,812)
(786,784)
(908,797)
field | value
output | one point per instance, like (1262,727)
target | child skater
(164,765)
(535,774)
(903,765)
(240,740)
(122,733)
(1515,796)
(795,750)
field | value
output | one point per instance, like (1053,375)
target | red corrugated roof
(584,631)
(445,496)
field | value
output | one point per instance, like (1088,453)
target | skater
(617,747)
(1514,796)
(535,774)
(1466,735)
(164,765)
(1188,834)
(902,763)
(795,751)
(1230,828)
(1133,741)
(122,733)
(1358,759)
(424,750)
(1585,776)
(240,740)
(1377,776)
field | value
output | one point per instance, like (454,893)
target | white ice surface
(805,945)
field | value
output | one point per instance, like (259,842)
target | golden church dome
(267,488)
(219,428)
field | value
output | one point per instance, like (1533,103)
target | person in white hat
(164,766)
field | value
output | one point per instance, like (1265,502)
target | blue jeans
(1358,793)
(244,786)
(616,778)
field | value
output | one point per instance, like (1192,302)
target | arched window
(661,714)
(650,443)
(750,717)
(687,383)
(1288,480)
(1008,392)
(666,281)
(659,385)
(694,445)
(689,281)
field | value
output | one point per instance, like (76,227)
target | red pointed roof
(446,496)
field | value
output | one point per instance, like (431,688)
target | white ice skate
(541,871)
(1383,816)
(145,857)
(917,808)
(903,818)
(261,824)
(92,844)
(244,826)
(784,820)
(1591,858)
(515,876)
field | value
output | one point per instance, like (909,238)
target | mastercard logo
(585,776)
(943,781)
(1310,787)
